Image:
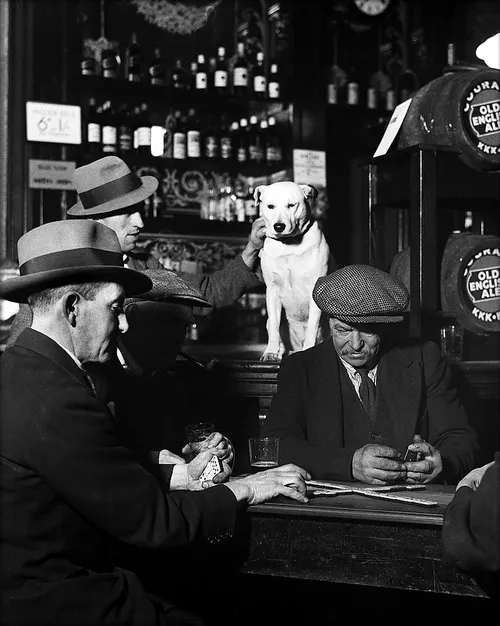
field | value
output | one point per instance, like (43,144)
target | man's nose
(356,341)
(137,220)
(122,323)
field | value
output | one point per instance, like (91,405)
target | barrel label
(481,285)
(481,114)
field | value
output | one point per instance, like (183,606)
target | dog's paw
(271,356)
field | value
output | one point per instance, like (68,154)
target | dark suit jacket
(414,395)
(471,530)
(71,495)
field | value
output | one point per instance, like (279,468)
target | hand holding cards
(213,467)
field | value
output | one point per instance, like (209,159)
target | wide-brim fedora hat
(107,186)
(361,294)
(70,251)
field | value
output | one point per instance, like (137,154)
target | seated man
(348,408)
(471,526)
(71,494)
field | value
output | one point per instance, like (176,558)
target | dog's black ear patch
(310,192)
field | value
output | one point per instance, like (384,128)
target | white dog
(294,256)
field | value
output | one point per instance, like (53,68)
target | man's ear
(310,192)
(70,304)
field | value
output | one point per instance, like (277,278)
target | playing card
(213,467)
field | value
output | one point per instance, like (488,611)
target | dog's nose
(279,227)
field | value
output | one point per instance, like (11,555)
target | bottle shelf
(166,95)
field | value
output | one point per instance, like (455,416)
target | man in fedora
(110,193)
(71,495)
(348,408)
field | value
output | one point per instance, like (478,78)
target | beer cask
(460,109)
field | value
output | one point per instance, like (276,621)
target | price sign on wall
(44,174)
(309,167)
(53,123)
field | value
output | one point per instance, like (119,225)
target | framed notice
(45,174)
(53,123)
(309,167)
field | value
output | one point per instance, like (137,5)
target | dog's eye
(270,206)
(290,206)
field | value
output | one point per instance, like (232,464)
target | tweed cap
(361,294)
(168,287)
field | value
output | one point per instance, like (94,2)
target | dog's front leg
(313,322)
(274,349)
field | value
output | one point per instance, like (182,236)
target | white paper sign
(397,118)
(309,167)
(45,174)
(53,123)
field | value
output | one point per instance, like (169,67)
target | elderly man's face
(127,226)
(99,323)
(357,345)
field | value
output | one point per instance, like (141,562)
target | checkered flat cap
(361,294)
(168,287)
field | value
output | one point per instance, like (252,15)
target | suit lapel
(327,398)
(398,395)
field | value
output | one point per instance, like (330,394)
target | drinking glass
(263,451)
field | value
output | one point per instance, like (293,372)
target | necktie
(367,393)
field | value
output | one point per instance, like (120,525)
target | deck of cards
(212,468)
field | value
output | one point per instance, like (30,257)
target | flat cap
(361,294)
(169,287)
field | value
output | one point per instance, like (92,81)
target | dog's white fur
(295,254)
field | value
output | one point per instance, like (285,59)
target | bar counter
(358,540)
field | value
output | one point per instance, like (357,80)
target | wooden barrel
(470,281)
(461,109)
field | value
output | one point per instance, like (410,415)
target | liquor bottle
(264,139)
(193,136)
(250,206)
(144,131)
(212,64)
(136,122)
(109,63)
(179,78)
(88,65)
(157,134)
(240,72)
(125,132)
(226,200)
(133,70)
(352,96)
(225,140)
(274,147)
(179,140)
(193,69)
(234,132)
(239,199)
(211,140)
(208,207)
(242,142)
(201,83)
(92,132)
(220,74)
(371,98)
(259,78)
(109,131)
(274,83)
(157,69)
(168,139)
(255,147)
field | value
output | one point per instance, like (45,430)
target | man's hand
(187,476)
(473,478)
(219,442)
(286,480)
(429,468)
(255,242)
(377,465)
(169,458)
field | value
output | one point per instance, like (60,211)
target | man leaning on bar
(72,496)
(348,408)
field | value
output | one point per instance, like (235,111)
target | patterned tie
(367,393)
